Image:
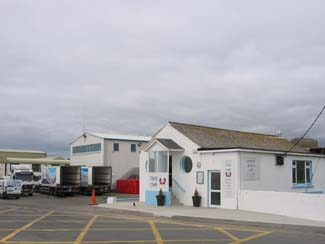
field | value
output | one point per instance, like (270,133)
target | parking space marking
(156,232)
(6,238)
(7,210)
(229,232)
(153,241)
(252,237)
(41,242)
(231,236)
(118,241)
(85,230)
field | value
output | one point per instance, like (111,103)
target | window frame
(157,161)
(308,177)
(182,164)
(133,147)
(89,148)
(116,147)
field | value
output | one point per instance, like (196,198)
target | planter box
(160,200)
(196,201)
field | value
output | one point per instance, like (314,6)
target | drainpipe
(238,179)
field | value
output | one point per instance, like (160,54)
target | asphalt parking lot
(45,219)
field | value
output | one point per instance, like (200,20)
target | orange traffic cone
(93,197)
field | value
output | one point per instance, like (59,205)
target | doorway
(170,172)
(214,189)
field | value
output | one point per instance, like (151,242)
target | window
(158,161)
(186,164)
(301,172)
(87,148)
(133,147)
(36,167)
(116,147)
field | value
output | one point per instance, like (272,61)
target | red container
(130,186)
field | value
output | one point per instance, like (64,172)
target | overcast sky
(131,66)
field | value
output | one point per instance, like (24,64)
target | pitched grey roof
(214,138)
(170,144)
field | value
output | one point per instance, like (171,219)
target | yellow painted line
(14,221)
(50,230)
(252,237)
(68,221)
(20,215)
(146,241)
(11,235)
(41,242)
(119,241)
(7,210)
(131,229)
(85,230)
(156,233)
(121,221)
(231,236)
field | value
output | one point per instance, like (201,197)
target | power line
(307,131)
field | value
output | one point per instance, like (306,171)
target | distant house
(221,163)
(106,149)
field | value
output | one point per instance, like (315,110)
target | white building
(105,149)
(223,164)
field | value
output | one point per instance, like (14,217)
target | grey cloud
(130,66)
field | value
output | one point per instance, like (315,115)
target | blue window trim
(315,192)
(310,184)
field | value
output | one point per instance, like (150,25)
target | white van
(10,188)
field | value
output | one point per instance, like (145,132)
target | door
(214,188)
(170,173)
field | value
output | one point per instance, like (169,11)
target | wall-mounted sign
(153,181)
(199,177)
(250,169)
(228,179)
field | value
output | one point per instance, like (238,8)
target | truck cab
(27,178)
(26,175)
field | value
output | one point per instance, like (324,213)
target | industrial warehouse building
(121,152)
(227,168)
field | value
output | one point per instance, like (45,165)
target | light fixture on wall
(279,159)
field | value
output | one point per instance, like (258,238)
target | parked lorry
(24,172)
(96,177)
(10,188)
(60,180)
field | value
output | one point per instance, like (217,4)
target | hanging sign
(153,181)
(250,169)
(228,179)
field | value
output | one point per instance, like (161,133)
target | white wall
(279,178)
(123,160)
(88,159)
(217,161)
(298,205)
